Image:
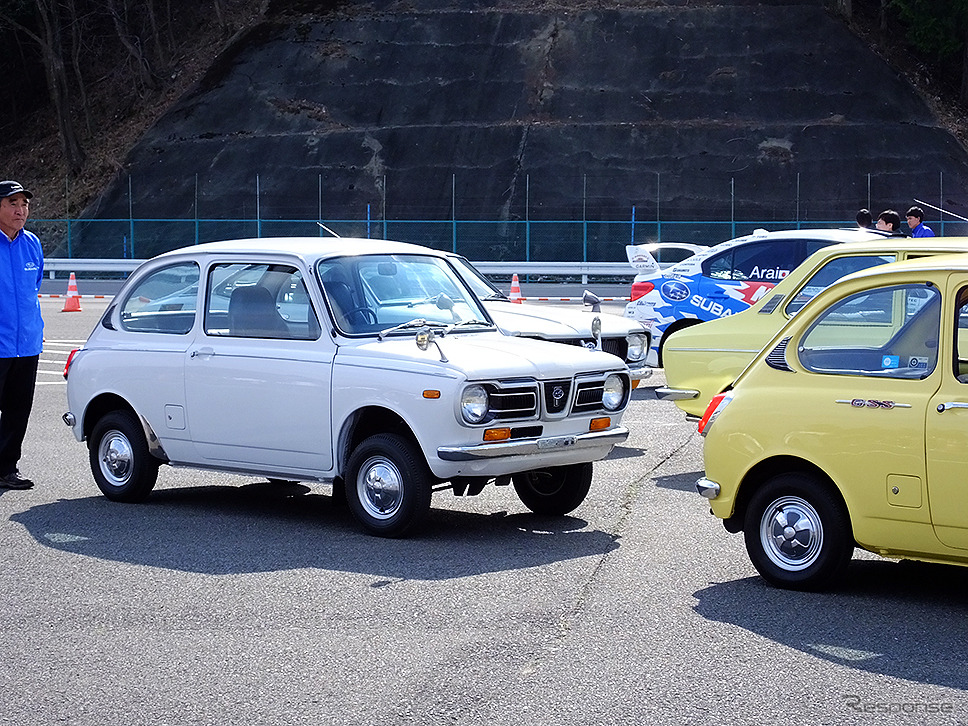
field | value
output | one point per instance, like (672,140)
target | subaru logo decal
(557,393)
(674,291)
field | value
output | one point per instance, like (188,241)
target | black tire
(388,485)
(667,333)
(339,491)
(798,533)
(122,466)
(557,490)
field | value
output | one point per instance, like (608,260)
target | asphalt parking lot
(227,600)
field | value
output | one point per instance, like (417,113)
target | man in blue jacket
(21,327)
(915,215)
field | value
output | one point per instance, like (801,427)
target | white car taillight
(67,365)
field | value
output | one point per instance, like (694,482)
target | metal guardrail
(585,269)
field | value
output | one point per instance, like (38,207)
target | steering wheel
(365,311)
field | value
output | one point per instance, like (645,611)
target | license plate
(559,442)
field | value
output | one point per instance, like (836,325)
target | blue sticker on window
(890,361)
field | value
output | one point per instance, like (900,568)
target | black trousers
(18,377)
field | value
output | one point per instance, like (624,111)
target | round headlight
(596,327)
(474,403)
(614,394)
(636,346)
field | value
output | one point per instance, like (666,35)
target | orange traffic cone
(73,302)
(515,289)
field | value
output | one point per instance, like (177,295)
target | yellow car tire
(798,532)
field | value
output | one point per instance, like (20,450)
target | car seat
(253,314)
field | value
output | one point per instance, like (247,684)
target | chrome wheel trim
(379,487)
(116,458)
(791,533)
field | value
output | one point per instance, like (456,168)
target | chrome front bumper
(526,447)
(707,488)
(675,394)
(641,372)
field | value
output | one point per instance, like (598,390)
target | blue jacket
(922,230)
(21,270)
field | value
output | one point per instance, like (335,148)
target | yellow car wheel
(798,533)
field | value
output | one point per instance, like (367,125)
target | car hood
(479,355)
(550,323)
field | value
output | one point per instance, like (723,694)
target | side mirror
(590,298)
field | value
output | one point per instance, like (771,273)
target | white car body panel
(282,408)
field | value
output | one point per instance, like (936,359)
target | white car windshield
(368,294)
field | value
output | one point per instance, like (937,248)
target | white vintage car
(364,363)
(590,328)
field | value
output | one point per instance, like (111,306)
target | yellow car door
(946,427)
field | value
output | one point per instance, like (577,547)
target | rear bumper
(707,488)
(675,394)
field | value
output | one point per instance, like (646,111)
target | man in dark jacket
(21,327)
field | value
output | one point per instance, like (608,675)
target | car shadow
(684,482)
(624,452)
(262,527)
(897,619)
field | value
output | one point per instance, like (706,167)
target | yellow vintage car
(850,428)
(702,360)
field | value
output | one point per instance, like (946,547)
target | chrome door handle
(942,407)
(203,351)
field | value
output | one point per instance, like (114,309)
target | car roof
(304,247)
(957,262)
(833,236)
(933,245)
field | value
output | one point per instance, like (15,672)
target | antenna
(328,230)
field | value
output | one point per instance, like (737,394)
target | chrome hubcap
(791,533)
(380,488)
(116,457)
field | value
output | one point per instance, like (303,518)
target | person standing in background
(918,228)
(21,327)
(865,220)
(890,221)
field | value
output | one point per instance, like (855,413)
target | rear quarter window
(165,301)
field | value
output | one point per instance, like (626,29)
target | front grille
(556,395)
(589,396)
(615,346)
(526,432)
(513,402)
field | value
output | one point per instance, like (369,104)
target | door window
(768,261)
(832,271)
(961,337)
(889,332)
(259,300)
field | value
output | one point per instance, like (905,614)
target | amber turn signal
(497,434)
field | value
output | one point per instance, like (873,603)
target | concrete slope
(761,111)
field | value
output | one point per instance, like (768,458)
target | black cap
(9,188)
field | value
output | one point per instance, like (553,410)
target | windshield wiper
(471,322)
(415,323)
